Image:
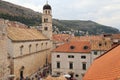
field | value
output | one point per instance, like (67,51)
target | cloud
(105,12)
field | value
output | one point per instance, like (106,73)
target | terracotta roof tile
(55,78)
(106,67)
(24,34)
(86,38)
(115,36)
(77,46)
(101,44)
(61,37)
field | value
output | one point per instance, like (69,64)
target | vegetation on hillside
(90,26)
(18,13)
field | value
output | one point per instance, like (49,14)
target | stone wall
(4,64)
(64,64)
(31,58)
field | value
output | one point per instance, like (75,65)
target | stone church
(26,49)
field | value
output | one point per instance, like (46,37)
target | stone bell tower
(47,21)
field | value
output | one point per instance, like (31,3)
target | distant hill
(18,13)
(90,26)
(31,18)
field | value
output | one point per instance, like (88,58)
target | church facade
(27,49)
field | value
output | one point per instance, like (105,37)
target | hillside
(18,13)
(31,18)
(90,26)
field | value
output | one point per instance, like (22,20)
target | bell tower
(47,21)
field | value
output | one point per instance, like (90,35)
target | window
(84,65)
(58,56)
(48,12)
(70,65)
(105,43)
(45,20)
(36,47)
(77,75)
(82,75)
(95,52)
(100,44)
(58,64)
(85,47)
(72,47)
(46,43)
(41,45)
(30,48)
(83,57)
(46,28)
(21,49)
(70,56)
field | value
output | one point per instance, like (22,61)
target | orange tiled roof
(24,34)
(106,67)
(86,38)
(115,36)
(78,46)
(55,78)
(60,37)
(101,44)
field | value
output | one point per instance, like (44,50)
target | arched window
(36,47)
(46,20)
(46,43)
(45,12)
(21,49)
(48,12)
(41,45)
(30,48)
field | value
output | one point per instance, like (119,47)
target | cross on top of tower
(46,6)
(46,1)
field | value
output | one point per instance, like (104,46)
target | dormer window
(72,47)
(100,44)
(85,47)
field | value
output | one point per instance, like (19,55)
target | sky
(106,12)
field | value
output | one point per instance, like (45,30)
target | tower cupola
(46,6)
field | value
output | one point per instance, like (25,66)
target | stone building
(4,64)
(27,50)
(47,25)
(106,67)
(59,39)
(71,58)
(99,47)
(76,56)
